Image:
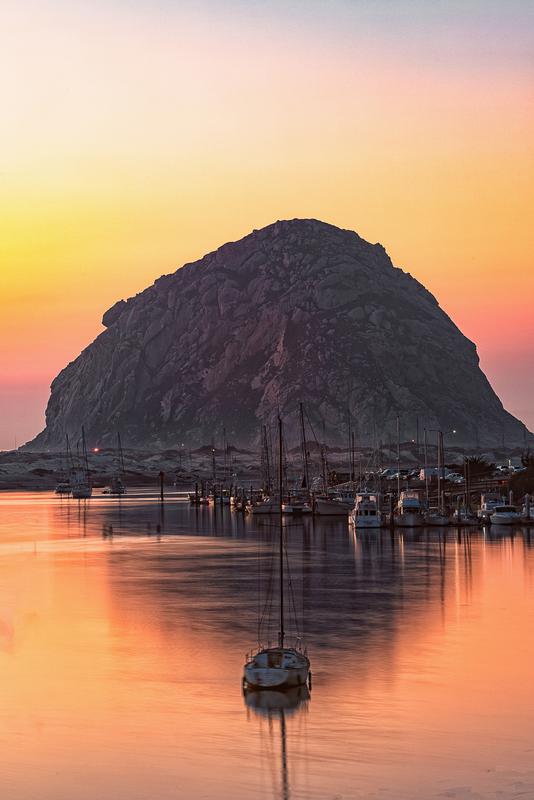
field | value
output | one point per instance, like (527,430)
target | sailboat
(439,517)
(278,667)
(80,480)
(63,486)
(116,485)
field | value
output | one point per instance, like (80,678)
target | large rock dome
(297,311)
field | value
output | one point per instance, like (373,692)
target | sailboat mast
(84,454)
(304,447)
(426,470)
(281,634)
(439,472)
(121,456)
(398,458)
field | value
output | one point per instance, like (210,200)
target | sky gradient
(137,136)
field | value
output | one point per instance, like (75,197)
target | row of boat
(365,509)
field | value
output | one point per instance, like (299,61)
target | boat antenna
(281,634)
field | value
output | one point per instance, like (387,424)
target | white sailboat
(80,480)
(278,667)
(116,485)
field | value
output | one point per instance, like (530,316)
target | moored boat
(408,513)
(366,512)
(279,667)
(505,515)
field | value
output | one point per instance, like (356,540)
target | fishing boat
(408,513)
(366,512)
(278,667)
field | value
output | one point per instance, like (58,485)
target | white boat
(80,479)
(505,515)
(81,486)
(488,504)
(278,667)
(330,505)
(366,511)
(408,513)
(527,512)
(297,504)
(116,487)
(266,506)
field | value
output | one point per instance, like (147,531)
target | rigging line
(293,605)
(269,594)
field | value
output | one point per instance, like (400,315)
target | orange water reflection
(120,660)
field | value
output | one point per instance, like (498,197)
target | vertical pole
(161,479)
(398,457)
(280,489)
(426,468)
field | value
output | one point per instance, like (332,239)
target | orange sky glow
(138,136)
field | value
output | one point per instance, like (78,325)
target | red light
(96,449)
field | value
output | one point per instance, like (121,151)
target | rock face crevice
(299,310)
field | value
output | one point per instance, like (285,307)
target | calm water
(121,656)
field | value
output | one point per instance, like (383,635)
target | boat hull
(82,493)
(276,669)
(330,508)
(505,519)
(365,522)
(437,520)
(409,519)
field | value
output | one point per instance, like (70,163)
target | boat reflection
(270,705)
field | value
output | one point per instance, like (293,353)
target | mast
(225,446)
(84,455)
(213,468)
(120,455)
(266,460)
(281,634)
(69,454)
(349,453)
(398,458)
(425,446)
(304,448)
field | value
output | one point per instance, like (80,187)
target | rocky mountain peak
(297,311)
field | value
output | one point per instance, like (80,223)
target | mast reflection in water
(275,707)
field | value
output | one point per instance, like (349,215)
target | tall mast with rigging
(304,448)
(281,634)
